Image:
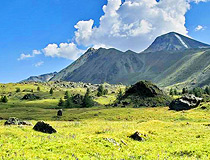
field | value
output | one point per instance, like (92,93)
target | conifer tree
(87,101)
(51,91)
(61,102)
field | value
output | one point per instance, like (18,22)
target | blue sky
(29,25)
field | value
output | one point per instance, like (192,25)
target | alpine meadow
(105,80)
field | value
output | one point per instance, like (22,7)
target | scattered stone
(44,127)
(185,103)
(111,140)
(16,121)
(25,123)
(60,112)
(30,97)
(203,107)
(12,121)
(137,136)
(124,143)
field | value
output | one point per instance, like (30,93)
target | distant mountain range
(172,58)
(41,78)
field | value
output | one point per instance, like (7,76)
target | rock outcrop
(44,127)
(16,121)
(30,97)
(185,103)
(145,93)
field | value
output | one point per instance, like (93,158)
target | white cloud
(197,1)
(36,52)
(133,24)
(38,64)
(64,50)
(199,27)
(25,56)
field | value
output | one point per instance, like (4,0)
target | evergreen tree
(100,91)
(66,96)
(51,91)
(171,92)
(61,102)
(184,90)
(106,91)
(87,101)
(175,92)
(69,103)
(207,90)
(120,95)
(4,99)
(38,89)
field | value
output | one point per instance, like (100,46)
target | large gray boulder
(185,103)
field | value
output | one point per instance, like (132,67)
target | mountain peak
(173,41)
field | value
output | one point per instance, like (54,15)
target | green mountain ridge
(171,59)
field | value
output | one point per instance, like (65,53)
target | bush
(4,99)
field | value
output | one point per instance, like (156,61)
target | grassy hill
(100,132)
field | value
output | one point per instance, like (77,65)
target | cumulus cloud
(127,24)
(26,56)
(64,50)
(133,24)
(38,64)
(199,27)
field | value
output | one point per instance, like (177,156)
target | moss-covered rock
(145,93)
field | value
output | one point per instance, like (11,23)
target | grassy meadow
(101,132)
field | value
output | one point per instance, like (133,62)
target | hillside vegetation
(102,131)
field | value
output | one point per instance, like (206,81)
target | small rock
(203,107)
(12,121)
(137,136)
(44,127)
(16,121)
(25,123)
(60,112)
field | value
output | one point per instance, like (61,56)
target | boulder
(137,136)
(12,121)
(44,127)
(60,112)
(30,97)
(185,103)
(16,121)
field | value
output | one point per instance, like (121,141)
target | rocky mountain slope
(172,58)
(174,42)
(40,78)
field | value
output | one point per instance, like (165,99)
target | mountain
(172,58)
(40,78)
(174,42)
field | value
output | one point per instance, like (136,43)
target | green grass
(170,135)
(101,132)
